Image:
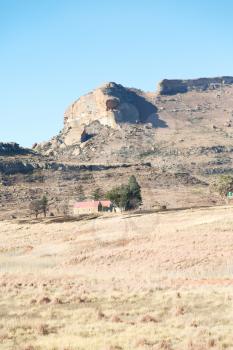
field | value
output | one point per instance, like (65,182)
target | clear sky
(53,51)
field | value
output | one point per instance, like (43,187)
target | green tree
(127,196)
(119,196)
(135,197)
(124,201)
(222,185)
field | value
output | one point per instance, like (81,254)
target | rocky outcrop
(173,87)
(112,106)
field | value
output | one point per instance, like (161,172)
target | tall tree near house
(114,196)
(119,196)
(79,193)
(124,196)
(135,197)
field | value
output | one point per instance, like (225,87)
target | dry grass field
(145,281)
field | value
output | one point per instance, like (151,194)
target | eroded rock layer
(173,87)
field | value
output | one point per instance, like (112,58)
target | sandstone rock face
(111,105)
(85,110)
(173,87)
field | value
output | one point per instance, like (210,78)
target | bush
(35,207)
(39,206)
(223,185)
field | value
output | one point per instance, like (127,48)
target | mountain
(174,139)
(118,124)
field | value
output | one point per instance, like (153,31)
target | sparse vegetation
(39,206)
(35,207)
(222,185)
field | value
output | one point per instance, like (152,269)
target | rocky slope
(12,149)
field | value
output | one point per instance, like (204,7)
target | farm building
(87,207)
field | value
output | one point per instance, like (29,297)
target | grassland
(151,281)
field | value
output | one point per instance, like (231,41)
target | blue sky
(53,51)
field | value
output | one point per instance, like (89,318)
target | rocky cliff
(173,87)
(110,105)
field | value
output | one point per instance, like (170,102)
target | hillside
(175,139)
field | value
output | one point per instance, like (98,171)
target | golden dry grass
(155,281)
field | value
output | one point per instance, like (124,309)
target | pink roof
(106,203)
(92,204)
